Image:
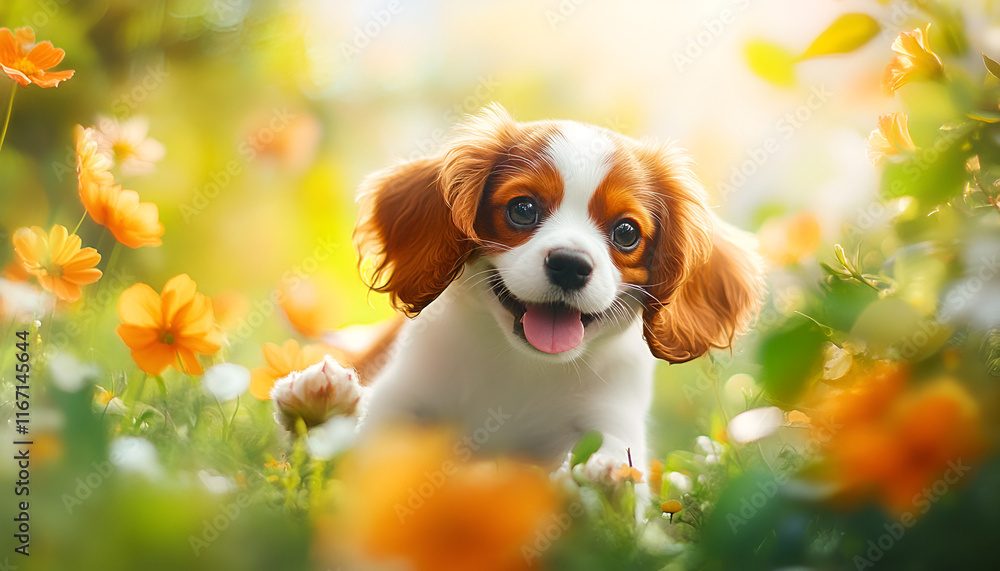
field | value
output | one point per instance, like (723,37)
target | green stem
(115,252)
(80,223)
(10,108)
(222,416)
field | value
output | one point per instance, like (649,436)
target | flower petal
(44,55)
(140,305)
(53,78)
(154,358)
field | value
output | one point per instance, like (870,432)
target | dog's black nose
(568,269)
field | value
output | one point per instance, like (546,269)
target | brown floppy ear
(706,275)
(416,218)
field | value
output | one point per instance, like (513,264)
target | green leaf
(933,175)
(789,357)
(894,327)
(585,448)
(992,66)
(848,33)
(985,116)
(771,62)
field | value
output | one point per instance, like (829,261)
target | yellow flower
(170,328)
(892,137)
(913,60)
(133,223)
(57,260)
(413,499)
(26,62)
(670,507)
(128,143)
(281,361)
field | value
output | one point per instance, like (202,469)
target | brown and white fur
(448,251)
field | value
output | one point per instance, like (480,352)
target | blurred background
(270,113)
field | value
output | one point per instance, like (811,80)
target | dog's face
(571,231)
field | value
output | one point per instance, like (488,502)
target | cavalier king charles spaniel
(546,266)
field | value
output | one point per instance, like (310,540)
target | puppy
(545,267)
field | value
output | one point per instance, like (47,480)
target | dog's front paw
(316,394)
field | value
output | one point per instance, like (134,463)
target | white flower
(710,448)
(127,143)
(332,437)
(755,424)
(226,381)
(22,302)
(680,482)
(315,394)
(68,373)
(215,482)
(135,455)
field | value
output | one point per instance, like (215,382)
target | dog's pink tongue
(551,329)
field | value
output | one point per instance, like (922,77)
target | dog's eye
(625,235)
(522,211)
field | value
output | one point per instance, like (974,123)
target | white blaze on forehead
(582,156)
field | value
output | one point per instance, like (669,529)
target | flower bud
(315,394)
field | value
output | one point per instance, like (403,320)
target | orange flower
(91,167)
(913,60)
(133,223)
(309,312)
(230,308)
(655,477)
(413,499)
(890,444)
(626,472)
(57,260)
(168,329)
(790,240)
(892,137)
(26,62)
(280,362)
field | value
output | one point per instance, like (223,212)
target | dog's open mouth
(548,327)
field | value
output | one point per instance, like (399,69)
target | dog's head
(576,231)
